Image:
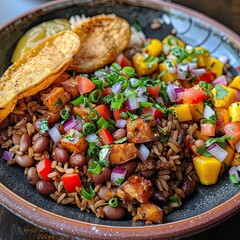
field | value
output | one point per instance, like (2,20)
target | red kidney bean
(159,198)
(119,133)
(45,187)
(25,142)
(188,185)
(77,160)
(103,176)
(16,139)
(130,166)
(41,144)
(106,193)
(4,123)
(60,154)
(112,213)
(32,176)
(149,173)
(24,160)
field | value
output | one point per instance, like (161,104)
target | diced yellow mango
(236,160)
(223,96)
(215,66)
(141,65)
(207,169)
(196,110)
(235,83)
(230,155)
(202,57)
(167,77)
(186,84)
(183,112)
(172,40)
(154,48)
(234,112)
(197,134)
(222,118)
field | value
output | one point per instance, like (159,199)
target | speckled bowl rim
(76,229)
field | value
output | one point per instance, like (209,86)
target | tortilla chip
(37,69)
(103,38)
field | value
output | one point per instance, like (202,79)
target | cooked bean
(4,123)
(112,213)
(16,139)
(103,176)
(199,143)
(45,187)
(25,142)
(41,144)
(159,198)
(24,161)
(37,124)
(148,174)
(119,133)
(130,166)
(188,185)
(106,193)
(32,176)
(60,154)
(35,137)
(77,160)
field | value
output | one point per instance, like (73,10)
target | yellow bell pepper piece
(222,118)
(141,65)
(215,66)
(183,112)
(234,112)
(197,134)
(223,96)
(168,77)
(154,48)
(202,56)
(235,83)
(236,160)
(172,40)
(230,155)
(196,110)
(207,169)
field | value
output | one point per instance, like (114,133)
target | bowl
(209,206)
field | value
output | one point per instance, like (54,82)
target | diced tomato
(232,129)
(103,111)
(84,84)
(208,129)
(192,95)
(117,113)
(156,113)
(71,181)
(123,61)
(206,77)
(106,92)
(105,136)
(44,168)
(153,90)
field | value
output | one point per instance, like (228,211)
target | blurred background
(226,12)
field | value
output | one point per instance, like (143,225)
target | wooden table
(226,12)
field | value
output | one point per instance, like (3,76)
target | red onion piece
(174,92)
(132,102)
(70,123)
(183,71)
(7,155)
(199,71)
(166,49)
(237,146)
(208,112)
(171,68)
(223,59)
(117,87)
(192,66)
(118,174)
(78,125)
(144,152)
(141,90)
(234,171)
(143,98)
(220,80)
(121,123)
(94,139)
(238,167)
(179,91)
(217,152)
(54,134)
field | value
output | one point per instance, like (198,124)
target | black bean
(149,173)
(45,187)
(188,185)
(159,198)
(32,176)
(130,166)
(112,213)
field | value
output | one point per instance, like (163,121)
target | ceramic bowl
(209,206)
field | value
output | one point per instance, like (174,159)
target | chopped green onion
(69,137)
(44,125)
(124,81)
(98,83)
(102,123)
(64,113)
(95,96)
(174,199)
(121,140)
(124,115)
(95,168)
(111,128)
(128,71)
(145,104)
(115,105)
(113,202)
(92,150)
(88,128)
(108,98)
(87,192)
(233,179)
(119,98)
(93,115)
(58,103)
(134,82)
(115,67)
(103,154)
(77,101)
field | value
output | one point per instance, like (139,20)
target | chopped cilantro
(206,86)
(121,140)
(202,151)
(58,103)
(150,61)
(212,119)
(137,26)
(44,125)
(221,92)
(220,140)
